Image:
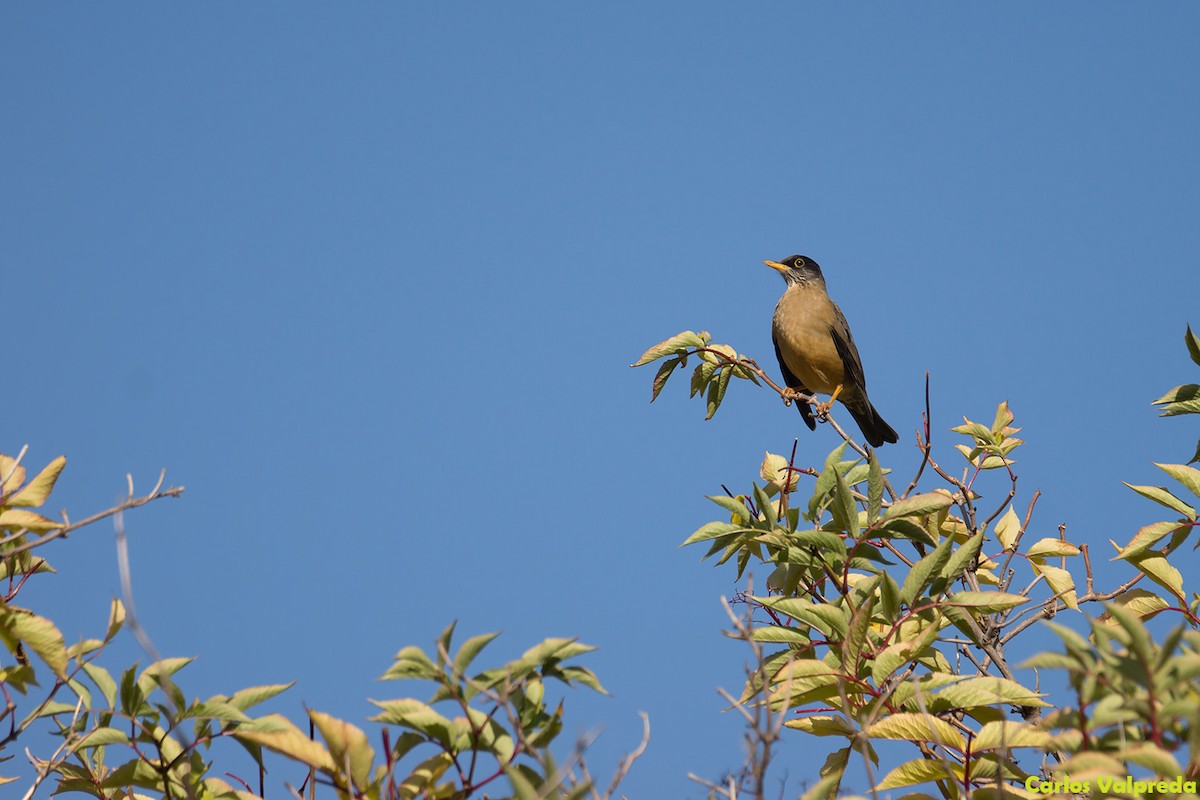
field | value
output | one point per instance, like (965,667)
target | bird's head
(798,270)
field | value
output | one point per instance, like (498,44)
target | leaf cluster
(134,733)
(1184,399)
(892,616)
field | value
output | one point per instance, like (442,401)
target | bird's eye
(799,262)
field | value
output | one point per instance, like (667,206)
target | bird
(816,351)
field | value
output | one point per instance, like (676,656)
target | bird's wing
(792,382)
(844,342)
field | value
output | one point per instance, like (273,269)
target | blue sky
(367,278)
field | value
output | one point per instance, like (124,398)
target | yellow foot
(822,409)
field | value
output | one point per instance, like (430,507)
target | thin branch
(69,528)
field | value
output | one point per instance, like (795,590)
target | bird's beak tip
(775,265)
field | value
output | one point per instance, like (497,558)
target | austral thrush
(816,351)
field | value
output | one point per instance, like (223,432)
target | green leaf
(974,430)
(1004,418)
(116,619)
(1188,476)
(890,659)
(1162,496)
(874,488)
(98,737)
(986,691)
(824,789)
(826,479)
(701,376)
(856,635)
(1159,570)
(921,574)
(716,392)
(415,715)
(1143,603)
(713,530)
(680,341)
(765,506)
(160,672)
(103,680)
(734,505)
(830,620)
(38,633)
(660,378)
(219,709)
(252,696)
(556,648)
(987,602)
(1139,638)
(1193,345)
(843,507)
(424,777)
(411,662)
(1147,537)
(802,676)
(779,634)
(919,504)
(470,649)
(822,725)
(582,676)
(962,559)
(1153,758)
(1009,733)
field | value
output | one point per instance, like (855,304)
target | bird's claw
(791,395)
(822,409)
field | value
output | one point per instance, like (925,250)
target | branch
(70,527)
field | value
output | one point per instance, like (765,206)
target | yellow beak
(775,265)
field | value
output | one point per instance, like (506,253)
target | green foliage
(1184,399)
(718,364)
(890,616)
(134,733)
(1136,700)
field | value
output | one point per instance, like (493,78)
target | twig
(67,529)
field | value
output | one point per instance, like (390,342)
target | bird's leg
(822,409)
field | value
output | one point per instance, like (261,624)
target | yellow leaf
(288,740)
(426,775)
(1009,733)
(1008,528)
(1050,547)
(11,473)
(348,746)
(1060,582)
(774,470)
(39,633)
(917,728)
(36,491)
(918,771)
(14,519)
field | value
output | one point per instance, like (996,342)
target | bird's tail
(872,425)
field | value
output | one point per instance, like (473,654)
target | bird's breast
(801,327)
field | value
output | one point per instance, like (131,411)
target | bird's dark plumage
(816,351)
